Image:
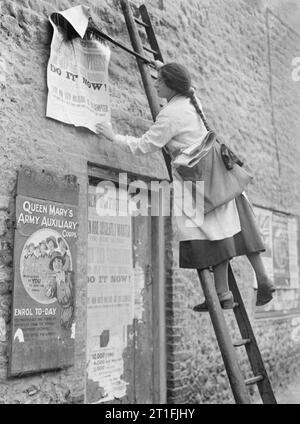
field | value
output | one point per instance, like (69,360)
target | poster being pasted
(110,297)
(43,312)
(280,235)
(77,73)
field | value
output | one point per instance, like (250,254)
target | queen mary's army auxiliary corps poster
(44,284)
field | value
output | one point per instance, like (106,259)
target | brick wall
(230,47)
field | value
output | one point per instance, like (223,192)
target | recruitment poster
(43,310)
(111,296)
(281,259)
(77,73)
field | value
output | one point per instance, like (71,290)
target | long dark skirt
(205,253)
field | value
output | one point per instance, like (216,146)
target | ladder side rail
(253,352)
(229,355)
(145,74)
(150,32)
(138,47)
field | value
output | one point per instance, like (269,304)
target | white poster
(280,235)
(111,295)
(77,73)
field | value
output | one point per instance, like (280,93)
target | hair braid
(178,78)
(194,102)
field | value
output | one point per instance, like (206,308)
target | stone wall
(233,50)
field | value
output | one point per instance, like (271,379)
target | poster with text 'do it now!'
(110,297)
(77,72)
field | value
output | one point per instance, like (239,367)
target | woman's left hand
(105,129)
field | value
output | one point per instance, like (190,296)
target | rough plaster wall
(225,45)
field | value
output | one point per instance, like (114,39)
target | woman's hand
(157,64)
(105,129)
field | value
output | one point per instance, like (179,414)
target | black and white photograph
(150,205)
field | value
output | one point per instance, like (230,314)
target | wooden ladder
(227,348)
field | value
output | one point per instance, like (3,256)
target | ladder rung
(150,50)
(254,380)
(241,342)
(138,21)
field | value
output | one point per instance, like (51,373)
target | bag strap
(227,154)
(207,127)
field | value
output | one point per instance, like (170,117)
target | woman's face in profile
(162,90)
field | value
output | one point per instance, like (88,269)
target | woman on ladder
(228,230)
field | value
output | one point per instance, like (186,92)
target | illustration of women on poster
(64,253)
(52,245)
(47,275)
(61,286)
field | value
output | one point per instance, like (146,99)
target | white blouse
(178,126)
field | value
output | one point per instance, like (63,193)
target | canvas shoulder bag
(214,163)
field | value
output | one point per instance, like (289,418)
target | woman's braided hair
(178,78)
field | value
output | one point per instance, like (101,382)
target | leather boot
(226,300)
(264,291)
